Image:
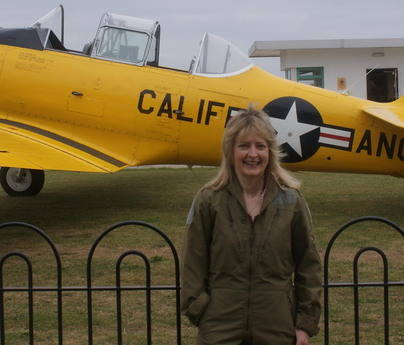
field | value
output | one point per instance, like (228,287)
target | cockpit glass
(120,44)
(217,56)
(53,21)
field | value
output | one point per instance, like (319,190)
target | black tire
(26,182)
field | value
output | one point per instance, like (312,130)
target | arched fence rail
(31,289)
(89,288)
(148,288)
(355,284)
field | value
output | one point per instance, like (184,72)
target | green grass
(74,208)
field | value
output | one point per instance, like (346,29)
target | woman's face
(251,155)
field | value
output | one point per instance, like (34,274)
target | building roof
(274,48)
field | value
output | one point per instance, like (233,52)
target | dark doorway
(382,84)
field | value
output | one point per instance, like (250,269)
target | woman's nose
(252,151)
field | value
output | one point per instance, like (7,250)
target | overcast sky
(183,22)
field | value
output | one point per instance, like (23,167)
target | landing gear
(21,182)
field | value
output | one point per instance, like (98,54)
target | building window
(382,84)
(288,74)
(310,76)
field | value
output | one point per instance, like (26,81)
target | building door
(382,84)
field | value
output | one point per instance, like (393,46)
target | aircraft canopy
(51,24)
(130,40)
(218,57)
(127,39)
(129,23)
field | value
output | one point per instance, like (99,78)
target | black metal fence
(118,288)
(89,288)
(356,284)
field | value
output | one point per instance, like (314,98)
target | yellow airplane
(112,105)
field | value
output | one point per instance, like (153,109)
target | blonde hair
(246,121)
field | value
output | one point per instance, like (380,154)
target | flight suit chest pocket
(275,254)
(226,247)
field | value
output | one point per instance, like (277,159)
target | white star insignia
(289,130)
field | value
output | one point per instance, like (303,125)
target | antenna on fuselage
(346,91)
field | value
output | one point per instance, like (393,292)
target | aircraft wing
(26,146)
(392,113)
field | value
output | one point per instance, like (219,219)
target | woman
(251,273)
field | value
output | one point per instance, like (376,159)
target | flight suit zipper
(250,275)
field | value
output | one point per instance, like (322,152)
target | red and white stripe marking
(335,137)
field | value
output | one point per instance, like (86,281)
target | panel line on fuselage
(66,141)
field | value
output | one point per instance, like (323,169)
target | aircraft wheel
(21,182)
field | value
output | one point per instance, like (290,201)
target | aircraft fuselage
(118,114)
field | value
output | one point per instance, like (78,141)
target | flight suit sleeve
(307,277)
(195,260)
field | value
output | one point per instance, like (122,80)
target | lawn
(74,208)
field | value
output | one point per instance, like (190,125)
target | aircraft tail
(392,112)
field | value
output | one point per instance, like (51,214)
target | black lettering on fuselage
(400,153)
(180,115)
(141,100)
(388,146)
(229,113)
(200,110)
(166,106)
(366,143)
(169,107)
(210,111)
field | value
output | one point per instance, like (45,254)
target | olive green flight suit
(237,274)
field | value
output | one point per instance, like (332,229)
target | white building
(366,68)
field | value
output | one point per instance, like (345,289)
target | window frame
(315,77)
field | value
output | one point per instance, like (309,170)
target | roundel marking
(297,124)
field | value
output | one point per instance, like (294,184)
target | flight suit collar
(271,190)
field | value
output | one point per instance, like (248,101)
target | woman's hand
(302,338)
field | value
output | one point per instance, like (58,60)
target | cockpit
(128,40)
